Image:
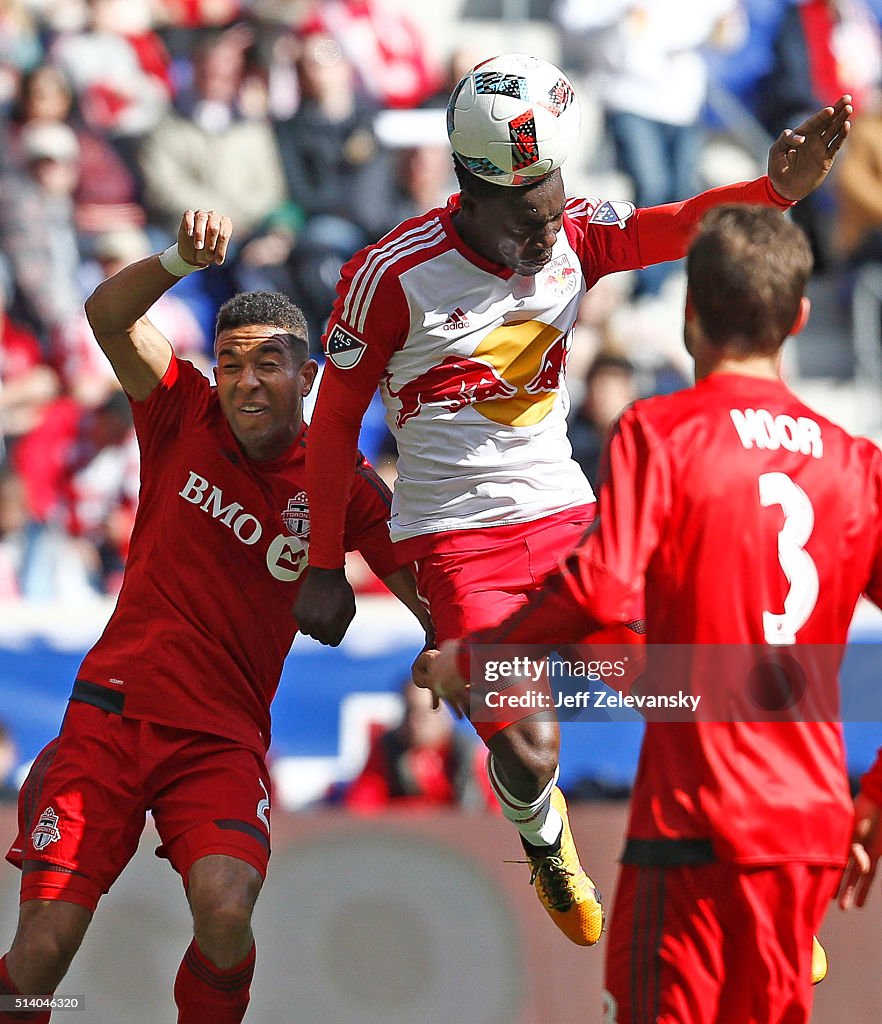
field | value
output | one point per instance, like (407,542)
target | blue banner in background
(330,699)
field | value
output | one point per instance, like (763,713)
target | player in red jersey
(464,315)
(866,840)
(749,525)
(170,711)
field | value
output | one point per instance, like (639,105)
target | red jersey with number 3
(204,618)
(746,519)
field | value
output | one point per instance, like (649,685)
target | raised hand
(801,158)
(203,237)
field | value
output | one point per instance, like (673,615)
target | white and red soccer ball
(513,119)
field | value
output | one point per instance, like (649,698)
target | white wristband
(175,264)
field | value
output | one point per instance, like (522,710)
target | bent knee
(48,936)
(222,894)
(525,755)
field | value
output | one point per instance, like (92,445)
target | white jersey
(473,360)
(470,360)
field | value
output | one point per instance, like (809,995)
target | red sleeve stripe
(367,277)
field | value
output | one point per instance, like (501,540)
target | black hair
(270,308)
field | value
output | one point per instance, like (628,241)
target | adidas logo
(456,321)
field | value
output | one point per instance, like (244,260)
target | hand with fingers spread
(866,848)
(203,237)
(801,158)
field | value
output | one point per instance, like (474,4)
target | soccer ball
(513,119)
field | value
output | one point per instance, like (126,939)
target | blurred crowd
(116,115)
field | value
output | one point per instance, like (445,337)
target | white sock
(538,822)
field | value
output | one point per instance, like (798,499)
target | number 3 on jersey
(796,562)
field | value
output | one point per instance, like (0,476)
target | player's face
(260,386)
(519,228)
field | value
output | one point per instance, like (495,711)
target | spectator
(460,61)
(27,384)
(423,179)
(38,562)
(99,486)
(423,763)
(20,47)
(80,468)
(822,48)
(207,153)
(118,68)
(610,386)
(859,189)
(37,229)
(337,178)
(646,63)
(393,66)
(198,13)
(331,157)
(106,193)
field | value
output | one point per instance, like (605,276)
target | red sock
(207,995)
(7,989)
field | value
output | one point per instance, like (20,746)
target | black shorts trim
(234,825)
(99,696)
(668,853)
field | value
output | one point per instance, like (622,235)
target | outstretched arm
(116,310)
(799,161)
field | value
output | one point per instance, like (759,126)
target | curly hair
(270,308)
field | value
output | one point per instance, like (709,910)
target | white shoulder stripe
(582,207)
(389,265)
(377,263)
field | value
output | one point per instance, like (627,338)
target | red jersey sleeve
(665,232)
(612,236)
(871,782)
(368,323)
(367,520)
(598,581)
(163,414)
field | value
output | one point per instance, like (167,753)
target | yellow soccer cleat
(563,888)
(819,961)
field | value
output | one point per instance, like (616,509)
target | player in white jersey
(463,316)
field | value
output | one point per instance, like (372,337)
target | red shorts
(83,805)
(474,579)
(715,943)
